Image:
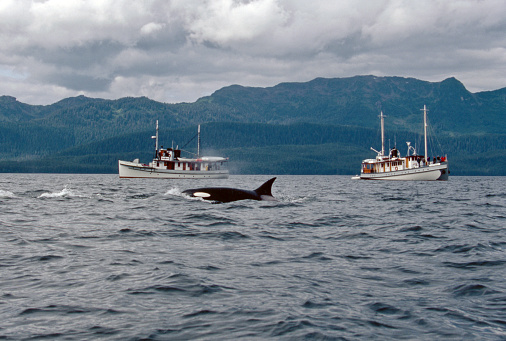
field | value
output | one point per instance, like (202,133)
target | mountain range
(324,126)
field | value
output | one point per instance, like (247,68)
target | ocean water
(97,257)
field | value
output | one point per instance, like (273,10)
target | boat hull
(430,173)
(137,170)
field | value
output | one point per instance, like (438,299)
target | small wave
(64,309)
(380,325)
(141,196)
(6,194)
(224,235)
(239,205)
(46,258)
(416,282)
(474,265)
(318,256)
(472,290)
(317,305)
(464,248)
(200,313)
(293,199)
(284,328)
(396,198)
(185,290)
(411,229)
(210,268)
(174,191)
(280,204)
(64,193)
(220,223)
(114,278)
(499,195)
(384,308)
(356,257)
(357,235)
(205,217)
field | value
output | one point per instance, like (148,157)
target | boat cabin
(170,159)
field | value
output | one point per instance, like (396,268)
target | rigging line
(430,140)
(193,138)
(435,136)
(188,152)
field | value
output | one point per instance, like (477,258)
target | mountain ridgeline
(325,126)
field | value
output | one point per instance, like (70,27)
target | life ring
(396,168)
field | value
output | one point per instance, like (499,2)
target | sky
(176,51)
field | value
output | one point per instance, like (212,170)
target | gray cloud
(180,50)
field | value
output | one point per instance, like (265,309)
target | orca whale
(224,194)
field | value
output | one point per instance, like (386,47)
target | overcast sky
(179,50)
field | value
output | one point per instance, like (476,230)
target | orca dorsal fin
(265,189)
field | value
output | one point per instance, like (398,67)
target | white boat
(409,167)
(168,164)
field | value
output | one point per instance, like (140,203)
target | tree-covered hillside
(273,149)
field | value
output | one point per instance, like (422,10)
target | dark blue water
(96,257)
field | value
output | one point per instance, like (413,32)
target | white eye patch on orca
(201,194)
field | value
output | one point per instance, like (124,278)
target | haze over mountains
(324,126)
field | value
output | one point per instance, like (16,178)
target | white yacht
(168,164)
(409,167)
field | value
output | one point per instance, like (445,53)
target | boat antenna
(425,127)
(382,133)
(156,138)
(198,142)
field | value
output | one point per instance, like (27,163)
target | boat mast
(425,128)
(382,134)
(198,143)
(156,138)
